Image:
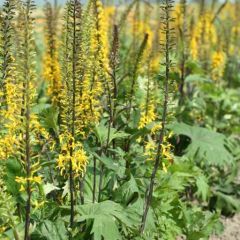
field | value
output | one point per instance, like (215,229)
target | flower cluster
(218,65)
(51,65)
(204,35)
(72,153)
(166,151)
(148,114)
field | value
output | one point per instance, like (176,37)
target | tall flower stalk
(51,59)
(134,74)
(7,86)
(101,72)
(183,53)
(72,159)
(167,45)
(30,129)
(7,40)
(22,130)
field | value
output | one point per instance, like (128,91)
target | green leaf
(52,230)
(196,78)
(19,230)
(105,134)
(49,187)
(117,166)
(49,119)
(206,145)
(106,217)
(13,166)
(227,202)
(128,192)
(198,224)
(202,187)
(38,108)
(13,169)
(106,227)
(66,189)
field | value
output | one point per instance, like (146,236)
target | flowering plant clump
(118,119)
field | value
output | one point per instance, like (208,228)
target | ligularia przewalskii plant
(22,129)
(118,120)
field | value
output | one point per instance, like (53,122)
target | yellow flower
(31,179)
(20,180)
(139,139)
(2,229)
(51,65)
(194,48)
(148,115)
(218,64)
(150,150)
(37,179)
(164,167)
(36,204)
(22,188)
(52,76)
(204,35)
(156,128)
(71,152)
(166,150)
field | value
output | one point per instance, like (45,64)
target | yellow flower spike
(79,159)
(204,35)
(150,150)
(218,65)
(148,115)
(51,66)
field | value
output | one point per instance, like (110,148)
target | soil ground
(231,229)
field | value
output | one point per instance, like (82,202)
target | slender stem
(148,90)
(101,165)
(213,5)
(100,182)
(74,62)
(94,178)
(223,5)
(167,64)
(134,74)
(110,101)
(15,233)
(28,164)
(202,7)
(27,119)
(132,90)
(81,187)
(183,52)
(114,64)
(71,184)
(28,204)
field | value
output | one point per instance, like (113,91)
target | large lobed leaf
(206,145)
(48,230)
(106,217)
